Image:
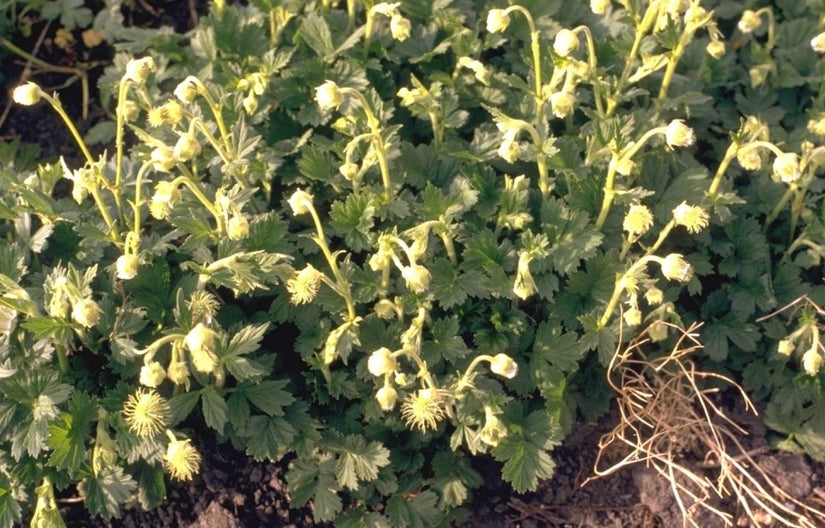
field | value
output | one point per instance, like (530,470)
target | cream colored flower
(565,43)
(181,460)
(715,48)
(482,74)
(163,159)
(812,361)
(786,167)
(417,277)
(188,89)
(152,374)
(509,150)
(493,430)
(818,43)
(524,285)
(127,266)
(329,96)
(692,217)
(237,227)
(381,362)
(638,220)
(562,103)
(622,166)
(749,158)
(386,397)
(497,20)
(304,285)
(599,7)
(675,267)
(187,147)
(86,312)
(749,22)
(400,27)
(785,347)
(178,372)
(146,412)
(632,317)
(138,70)
(678,134)
(503,365)
(201,344)
(300,202)
(27,94)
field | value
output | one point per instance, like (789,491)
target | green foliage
(385,254)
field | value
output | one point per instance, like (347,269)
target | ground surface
(235,492)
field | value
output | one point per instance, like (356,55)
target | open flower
(181,460)
(692,217)
(562,103)
(329,96)
(304,285)
(146,412)
(237,227)
(423,410)
(188,89)
(503,365)
(187,147)
(27,94)
(565,43)
(678,134)
(715,48)
(599,7)
(497,20)
(812,361)
(749,158)
(638,220)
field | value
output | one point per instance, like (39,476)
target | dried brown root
(668,418)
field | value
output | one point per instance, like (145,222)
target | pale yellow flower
(152,374)
(304,285)
(497,20)
(692,217)
(678,134)
(812,361)
(146,412)
(27,94)
(562,103)
(423,410)
(599,7)
(201,344)
(127,266)
(381,362)
(181,460)
(188,89)
(818,43)
(400,27)
(386,397)
(237,227)
(749,22)
(328,96)
(786,167)
(503,365)
(187,147)
(565,42)
(86,312)
(638,220)
(300,202)
(715,48)
(138,70)
(493,430)
(785,347)
(675,267)
(417,277)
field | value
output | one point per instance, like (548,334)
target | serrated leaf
(182,405)
(107,490)
(9,507)
(419,511)
(151,485)
(315,33)
(353,219)
(524,449)
(67,436)
(315,479)
(556,347)
(215,410)
(358,460)
(445,341)
(269,437)
(269,396)
(150,289)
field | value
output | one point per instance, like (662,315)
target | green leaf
(73,14)
(446,341)
(247,340)
(418,511)
(107,490)
(556,348)
(524,449)
(151,485)
(353,219)
(67,436)
(315,33)
(182,405)
(57,330)
(215,410)
(454,477)
(358,460)
(270,438)
(150,289)
(315,479)
(9,507)
(572,236)
(360,518)
(269,396)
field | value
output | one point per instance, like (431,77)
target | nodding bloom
(348,170)
(386,397)
(715,48)
(786,167)
(524,285)
(675,267)
(497,20)
(638,220)
(163,159)
(749,158)
(417,277)
(818,43)
(632,317)
(623,166)
(187,147)
(565,43)
(86,312)
(152,374)
(812,361)
(503,365)
(300,202)
(423,409)
(146,412)
(138,70)
(400,27)
(237,227)
(27,94)
(599,7)
(188,89)
(201,343)
(482,74)
(692,217)
(785,347)
(381,362)
(304,285)
(178,372)
(509,149)
(181,460)
(678,134)
(562,103)
(749,22)
(127,266)
(329,96)
(493,430)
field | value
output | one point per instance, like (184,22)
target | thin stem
(619,288)
(642,28)
(781,204)
(535,48)
(377,140)
(544,179)
(192,186)
(733,149)
(609,192)
(58,107)
(592,63)
(216,111)
(120,114)
(137,204)
(343,284)
(368,33)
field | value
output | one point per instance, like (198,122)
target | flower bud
(381,362)
(786,167)
(171,112)
(86,312)
(127,266)
(632,317)
(749,158)
(188,89)
(329,96)
(349,170)
(303,286)
(675,267)
(27,94)
(178,372)
(138,70)
(599,7)
(385,309)
(654,296)
(300,202)
(250,104)
(503,365)
(237,227)
(186,148)
(562,103)
(417,278)
(696,16)
(715,48)
(812,361)
(152,375)
(749,22)
(678,134)
(497,20)
(638,220)
(386,396)
(494,430)
(785,347)
(163,159)
(818,43)
(201,342)
(399,27)
(692,217)
(565,43)
(657,331)
(509,150)
(524,285)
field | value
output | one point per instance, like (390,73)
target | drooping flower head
(503,365)
(565,43)
(329,96)
(497,20)
(27,94)
(678,134)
